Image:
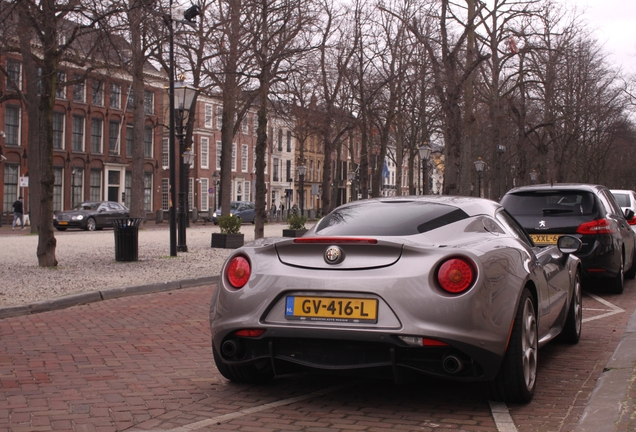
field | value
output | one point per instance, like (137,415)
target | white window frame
(219,117)
(244,157)
(165,153)
(204,195)
(208,115)
(218,155)
(205,152)
(233,157)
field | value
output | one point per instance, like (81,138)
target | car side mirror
(568,244)
(629,213)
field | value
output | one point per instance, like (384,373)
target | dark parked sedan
(244,210)
(588,212)
(450,287)
(90,215)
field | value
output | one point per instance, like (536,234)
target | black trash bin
(126,238)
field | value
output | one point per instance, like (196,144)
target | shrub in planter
(296,225)
(229,237)
(229,224)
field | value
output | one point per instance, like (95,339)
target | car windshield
(622,198)
(86,206)
(552,203)
(388,218)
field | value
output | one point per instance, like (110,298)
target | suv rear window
(388,218)
(553,203)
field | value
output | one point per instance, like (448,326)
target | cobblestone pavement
(144,363)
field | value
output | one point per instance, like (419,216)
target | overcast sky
(614,24)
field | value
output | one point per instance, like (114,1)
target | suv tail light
(632,221)
(598,226)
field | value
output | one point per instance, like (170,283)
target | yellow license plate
(545,239)
(63,223)
(337,309)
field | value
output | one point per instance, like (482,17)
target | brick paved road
(144,363)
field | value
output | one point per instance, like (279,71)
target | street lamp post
(189,19)
(302,170)
(479,167)
(425,153)
(184,97)
(215,179)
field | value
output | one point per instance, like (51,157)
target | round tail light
(238,271)
(456,275)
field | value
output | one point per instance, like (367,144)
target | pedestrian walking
(18,213)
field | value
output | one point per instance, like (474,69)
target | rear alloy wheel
(574,322)
(517,378)
(249,374)
(617,283)
(91,225)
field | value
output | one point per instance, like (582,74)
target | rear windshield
(552,203)
(622,199)
(388,218)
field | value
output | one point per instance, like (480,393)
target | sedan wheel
(90,224)
(574,323)
(517,377)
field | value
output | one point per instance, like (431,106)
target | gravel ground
(86,262)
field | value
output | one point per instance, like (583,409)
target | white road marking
(501,415)
(613,309)
(226,417)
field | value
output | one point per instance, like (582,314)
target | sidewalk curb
(106,294)
(607,403)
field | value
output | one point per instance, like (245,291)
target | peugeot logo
(542,224)
(334,255)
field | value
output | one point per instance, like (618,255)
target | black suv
(589,212)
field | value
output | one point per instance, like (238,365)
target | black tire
(617,283)
(631,273)
(91,225)
(60,229)
(574,323)
(517,378)
(248,374)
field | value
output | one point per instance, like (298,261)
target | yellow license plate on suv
(545,239)
(336,309)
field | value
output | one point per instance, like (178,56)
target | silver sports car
(451,287)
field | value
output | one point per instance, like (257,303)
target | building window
(255,120)
(148,142)
(219,117)
(130,100)
(244,157)
(190,193)
(97,93)
(165,154)
(96,185)
(113,137)
(289,136)
(12,125)
(10,185)
(245,125)
(60,86)
(233,157)
(280,140)
(288,170)
(129,140)
(115,95)
(57,189)
(79,92)
(204,194)
(246,191)
(165,194)
(58,130)
(218,155)
(148,192)
(14,75)
(205,152)
(275,173)
(77,180)
(208,116)
(97,127)
(77,141)
(127,188)
(149,102)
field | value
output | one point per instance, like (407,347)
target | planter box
(227,241)
(294,233)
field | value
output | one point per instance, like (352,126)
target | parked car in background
(90,215)
(244,210)
(450,287)
(588,212)
(627,200)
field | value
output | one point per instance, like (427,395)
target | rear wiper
(555,211)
